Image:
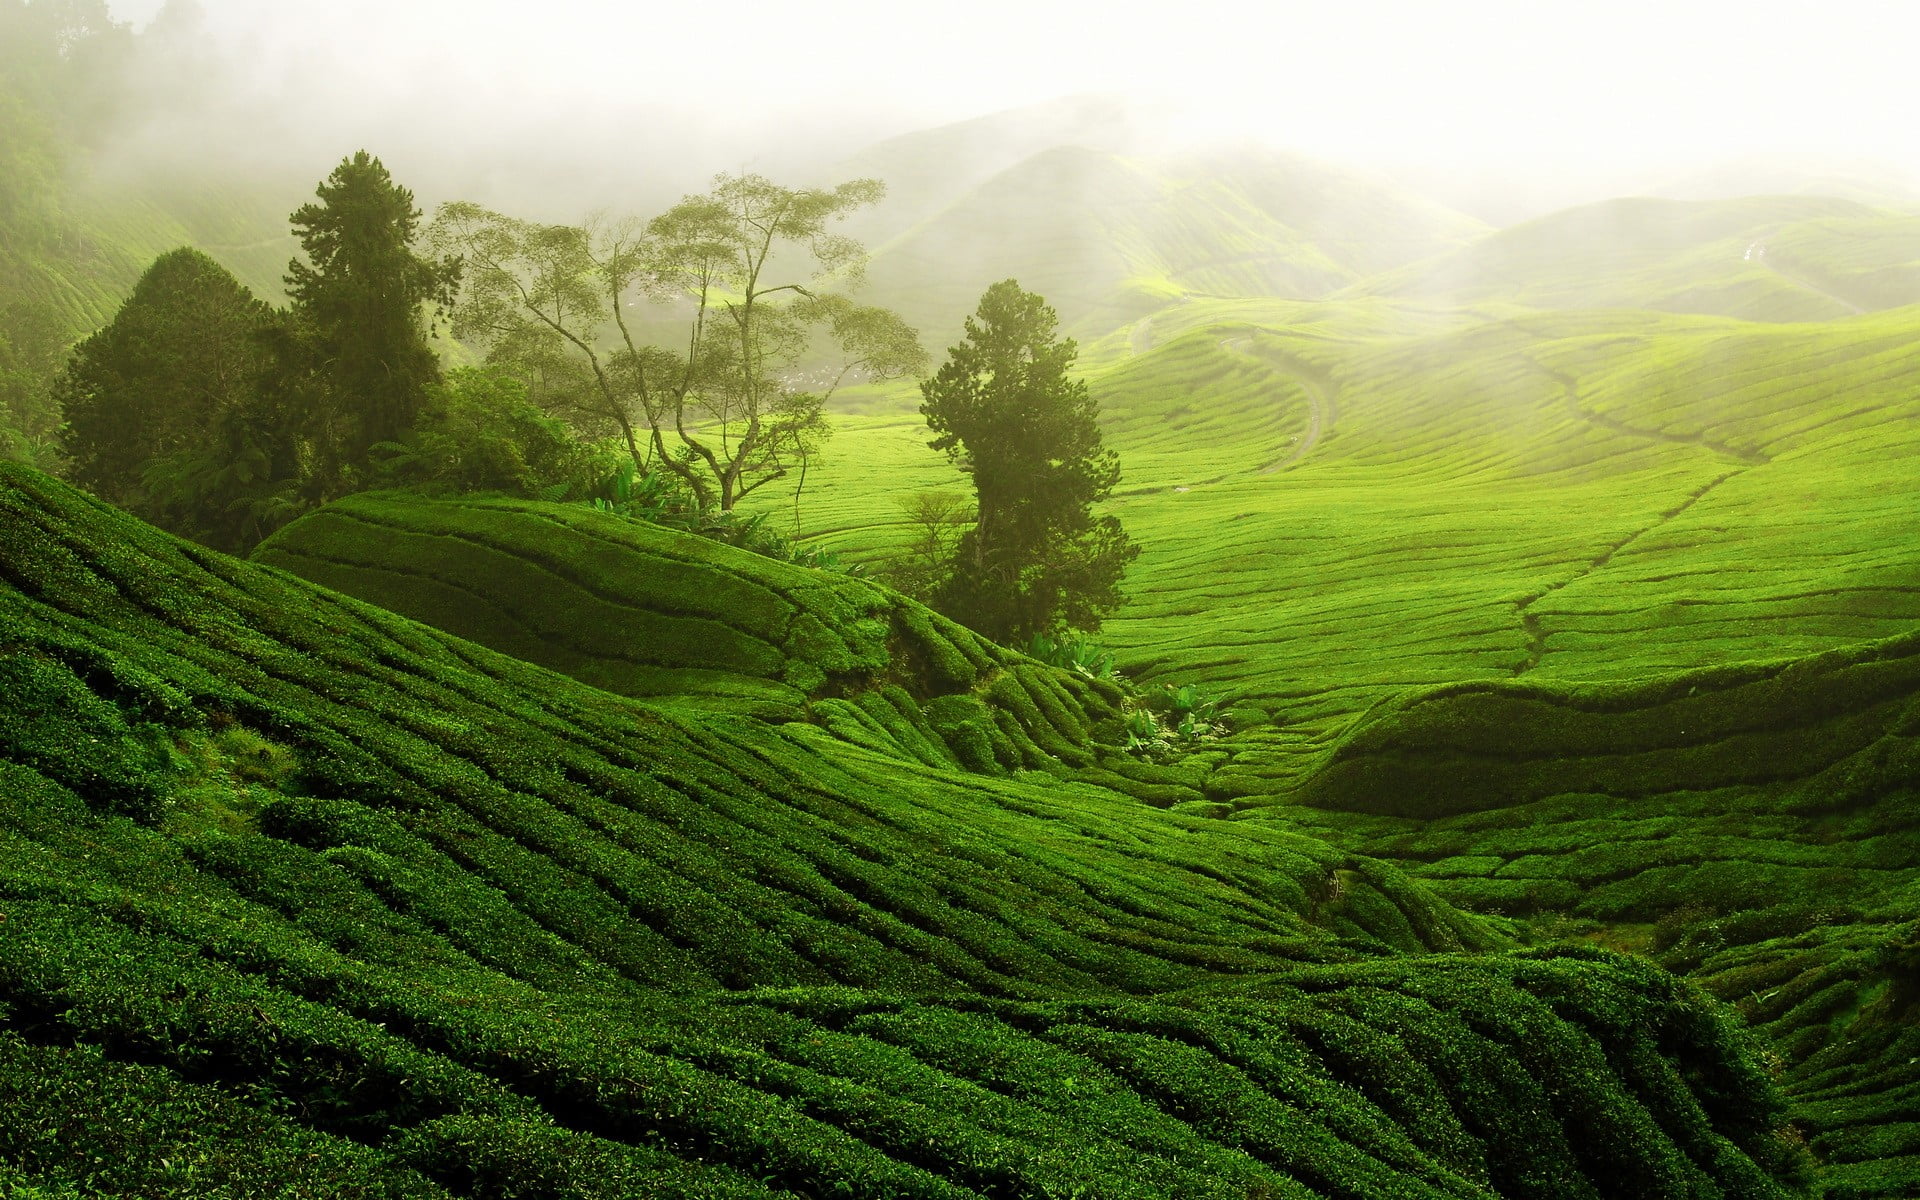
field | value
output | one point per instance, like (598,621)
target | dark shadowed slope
(1757,827)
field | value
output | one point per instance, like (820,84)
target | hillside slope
(1757,827)
(302,898)
(645,611)
(1107,239)
(1765,258)
(1342,500)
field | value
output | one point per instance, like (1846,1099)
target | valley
(1555,588)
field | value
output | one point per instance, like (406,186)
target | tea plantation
(647,612)
(301,897)
(1587,608)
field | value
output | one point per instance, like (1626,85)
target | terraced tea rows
(643,611)
(1573,495)
(1756,826)
(1688,538)
(303,898)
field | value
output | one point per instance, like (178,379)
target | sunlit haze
(1621,91)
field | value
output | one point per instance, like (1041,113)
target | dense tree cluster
(667,368)
(359,347)
(183,352)
(205,411)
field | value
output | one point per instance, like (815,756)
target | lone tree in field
(1003,408)
(358,332)
(724,407)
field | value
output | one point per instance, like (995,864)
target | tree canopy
(181,353)
(1005,410)
(730,405)
(360,303)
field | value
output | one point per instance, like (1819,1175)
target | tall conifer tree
(361,303)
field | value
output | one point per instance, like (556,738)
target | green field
(1560,582)
(1585,591)
(1568,495)
(303,898)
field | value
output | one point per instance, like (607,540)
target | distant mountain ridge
(1766,258)
(1077,203)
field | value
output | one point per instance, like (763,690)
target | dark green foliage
(499,934)
(1835,993)
(662,498)
(55,723)
(491,1156)
(477,432)
(101,1125)
(32,341)
(247,473)
(204,412)
(1004,409)
(646,611)
(182,354)
(1827,731)
(1754,827)
(361,359)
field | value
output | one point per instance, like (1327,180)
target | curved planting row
(675,851)
(1755,827)
(298,897)
(1831,729)
(644,611)
(1835,989)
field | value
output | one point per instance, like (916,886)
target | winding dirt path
(1530,625)
(1758,253)
(1318,387)
(1140,337)
(1570,388)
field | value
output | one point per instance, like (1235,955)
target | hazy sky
(1461,82)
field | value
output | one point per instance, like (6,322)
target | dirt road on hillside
(1319,391)
(1758,253)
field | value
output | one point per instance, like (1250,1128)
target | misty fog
(1503,110)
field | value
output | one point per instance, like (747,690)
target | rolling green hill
(303,898)
(1562,579)
(1604,619)
(1587,612)
(1757,827)
(1765,258)
(1108,239)
(648,612)
(1333,510)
